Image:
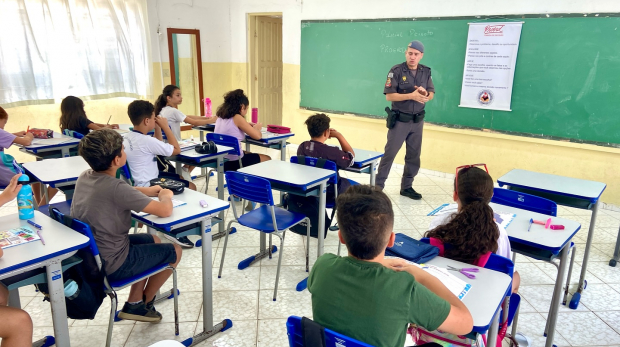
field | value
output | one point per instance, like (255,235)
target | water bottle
(208,107)
(71,290)
(254,115)
(25,204)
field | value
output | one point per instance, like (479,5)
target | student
(16,327)
(167,106)
(105,203)
(368,297)
(142,150)
(318,127)
(231,121)
(7,167)
(472,230)
(73,117)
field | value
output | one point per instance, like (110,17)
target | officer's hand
(415,96)
(422,91)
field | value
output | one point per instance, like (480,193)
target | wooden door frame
(252,51)
(198,59)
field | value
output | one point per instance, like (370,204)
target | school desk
(61,173)
(542,244)
(58,146)
(269,140)
(61,242)
(216,160)
(566,191)
(293,179)
(366,162)
(184,215)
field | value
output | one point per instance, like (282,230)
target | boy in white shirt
(142,150)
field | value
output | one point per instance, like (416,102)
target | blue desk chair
(267,219)
(328,165)
(224,140)
(72,133)
(541,205)
(111,287)
(294,330)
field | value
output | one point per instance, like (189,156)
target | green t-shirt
(371,303)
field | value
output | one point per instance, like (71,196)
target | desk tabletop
(267,136)
(553,184)
(363,157)
(192,154)
(538,236)
(59,140)
(59,240)
(57,170)
(300,176)
(185,213)
(486,293)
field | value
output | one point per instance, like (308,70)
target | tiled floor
(245,296)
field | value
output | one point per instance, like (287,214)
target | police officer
(409,87)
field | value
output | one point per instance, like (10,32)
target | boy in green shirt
(373,299)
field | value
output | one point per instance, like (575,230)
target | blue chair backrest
(316,162)
(249,187)
(225,140)
(78,226)
(524,201)
(332,338)
(72,133)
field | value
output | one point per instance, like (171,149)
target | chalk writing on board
(386,33)
(423,33)
(388,49)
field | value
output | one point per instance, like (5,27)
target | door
(268,72)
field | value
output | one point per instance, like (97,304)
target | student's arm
(149,191)
(459,320)
(252,130)
(195,120)
(94,126)
(344,144)
(158,133)
(163,124)
(25,140)
(10,192)
(109,126)
(163,207)
(20,133)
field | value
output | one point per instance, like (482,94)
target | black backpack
(89,280)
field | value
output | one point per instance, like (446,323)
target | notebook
(503,219)
(175,203)
(17,236)
(52,141)
(186,145)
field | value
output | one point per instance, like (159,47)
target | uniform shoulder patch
(391,75)
(388,83)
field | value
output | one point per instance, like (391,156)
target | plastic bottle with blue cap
(25,201)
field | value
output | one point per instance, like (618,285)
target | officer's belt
(408,117)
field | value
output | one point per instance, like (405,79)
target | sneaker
(523,340)
(140,313)
(181,241)
(411,193)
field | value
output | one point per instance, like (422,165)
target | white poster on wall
(490,61)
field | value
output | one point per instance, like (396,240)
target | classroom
(151,147)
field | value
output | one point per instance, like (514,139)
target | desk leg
(247,146)
(178,168)
(57,300)
(65,152)
(283,150)
(208,329)
(616,256)
(220,195)
(586,252)
(373,173)
(14,299)
(203,171)
(492,336)
(321,233)
(557,295)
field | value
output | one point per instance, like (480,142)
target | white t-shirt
(503,244)
(141,151)
(175,118)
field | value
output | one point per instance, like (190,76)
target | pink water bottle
(254,115)
(208,110)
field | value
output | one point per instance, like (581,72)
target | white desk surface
(58,169)
(486,293)
(195,155)
(553,183)
(59,239)
(363,156)
(288,173)
(41,142)
(188,212)
(538,236)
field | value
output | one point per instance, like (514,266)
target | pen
(28,128)
(41,237)
(35,224)
(109,120)
(531,221)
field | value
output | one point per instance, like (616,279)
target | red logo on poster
(494,30)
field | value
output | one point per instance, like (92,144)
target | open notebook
(186,145)
(17,236)
(175,203)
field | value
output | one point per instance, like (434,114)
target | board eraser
(204,203)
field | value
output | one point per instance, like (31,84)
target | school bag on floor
(308,206)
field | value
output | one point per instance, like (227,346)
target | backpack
(89,280)
(308,206)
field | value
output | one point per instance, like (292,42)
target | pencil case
(278,129)
(42,133)
(167,183)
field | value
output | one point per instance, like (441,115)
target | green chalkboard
(567,77)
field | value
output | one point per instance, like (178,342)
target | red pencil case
(278,129)
(42,133)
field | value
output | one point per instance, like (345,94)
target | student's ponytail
(162,100)
(233,101)
(472,231)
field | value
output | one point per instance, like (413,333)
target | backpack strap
(320,163)
(437,243)
(312,333)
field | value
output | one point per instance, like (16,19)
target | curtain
(92,49)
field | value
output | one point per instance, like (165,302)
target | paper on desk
(52,141)
(188,144)
(457,286)
(17,236)
(503,219)
(175,203)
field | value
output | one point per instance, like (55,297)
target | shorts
(143,255)
(174,176)
(247,160)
